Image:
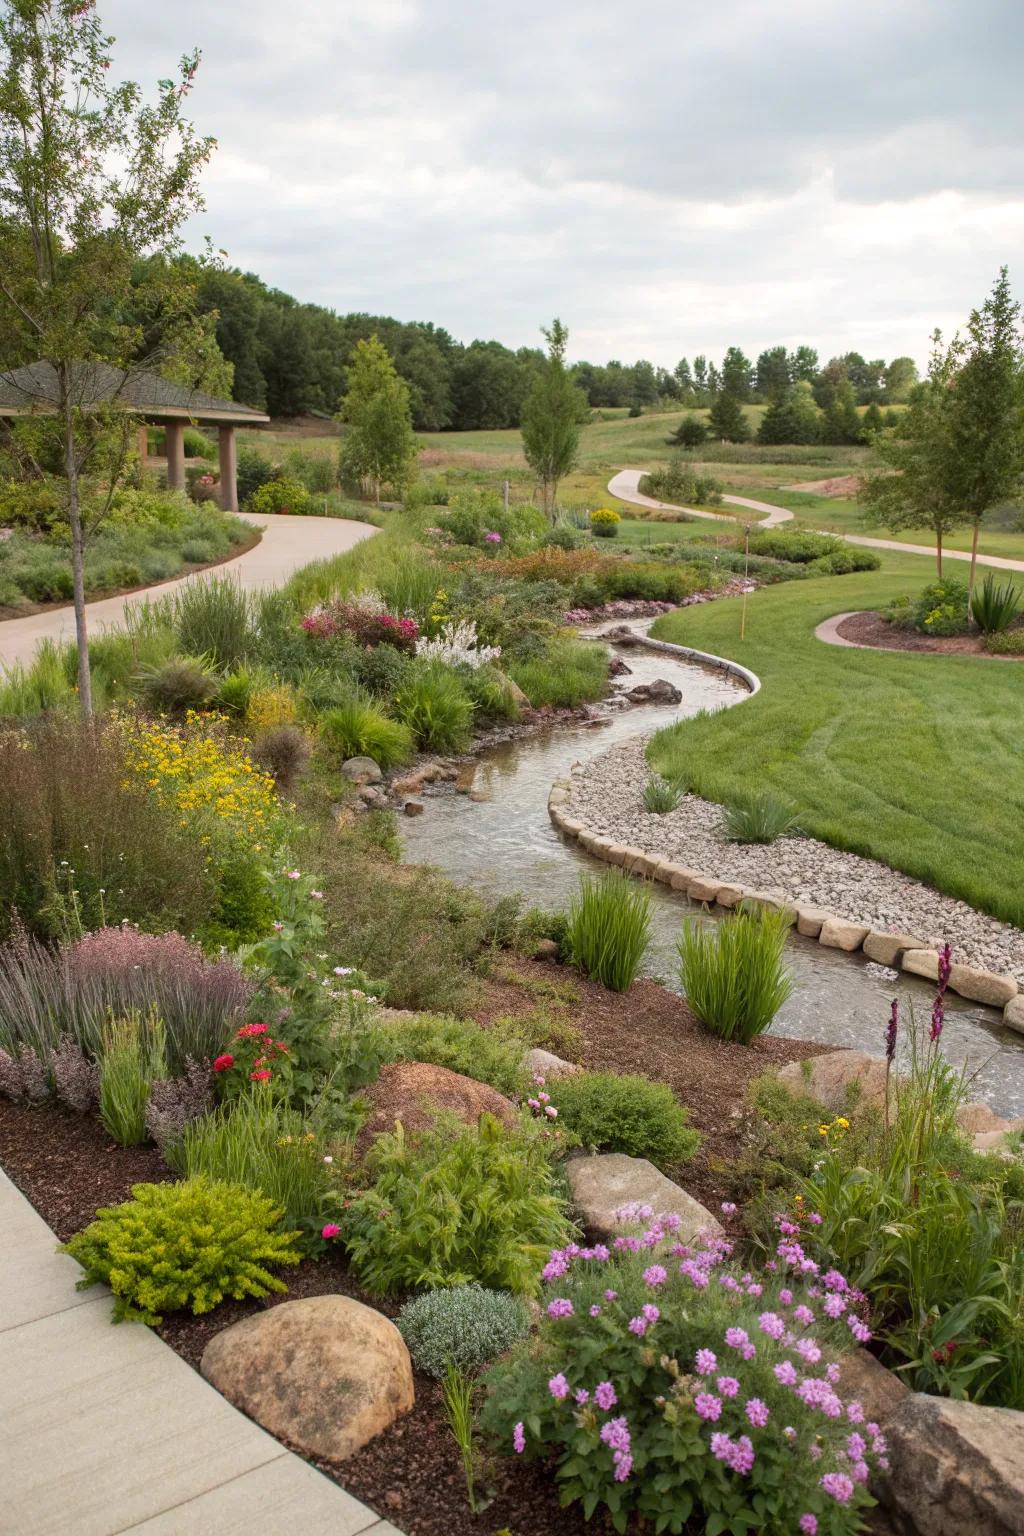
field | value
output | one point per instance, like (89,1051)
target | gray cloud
(669,178)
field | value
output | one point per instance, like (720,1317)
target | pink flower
(582,1396)
(855,1414)
(808,1525)
(838,1486)
(251,1031)
(706,1360)
(610,1295)
(785,1373)
(519,1439)
(736,1338)
(604,1396)
(727,1208)
(808,1350)
(558,1387)
(785,1297)
(560,1307)
(655,1274)
(329,1230)
(707,1406)
(551,1112)
(649,1314)
(638,1325)
(224,1063)
(771,1324)
(595,1311)
(757,1412)
(804,1316)
(728,1386)
(261,1076)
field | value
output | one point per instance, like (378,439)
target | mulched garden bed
(871,629)
(67,1166)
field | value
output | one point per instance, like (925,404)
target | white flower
(457,645)
(328,1160)
(343,970)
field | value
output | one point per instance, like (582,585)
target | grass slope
(910,759)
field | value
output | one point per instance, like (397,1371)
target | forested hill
(290,359)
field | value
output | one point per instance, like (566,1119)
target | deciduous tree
(379,445)
(553,413)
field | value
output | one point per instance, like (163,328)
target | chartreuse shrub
(604,522)
(453,1205)
(612,1112)
(733,973)
(192,1245)
(462,1325)
(458,1044)
(608,929)
(690,1395)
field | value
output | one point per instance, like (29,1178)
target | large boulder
(865,1380)
(601,1185)
(829,1078)
(547,1064)
(361,770)
(657,692)
(415,1092)
(956,1468)
(326,1374)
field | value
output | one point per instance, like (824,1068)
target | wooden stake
(746,571)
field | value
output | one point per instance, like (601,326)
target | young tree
(804,365)
(737,374)
(700,373)
(773,374)
(727,419)
(913,490)
(379,445)
(553,413)
(93,181)
(900,378)
(684,378)
(690,433)
(841,421)
(792,419)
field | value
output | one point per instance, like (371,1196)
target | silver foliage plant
(465,1326)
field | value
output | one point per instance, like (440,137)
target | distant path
(287,544)
(626,486)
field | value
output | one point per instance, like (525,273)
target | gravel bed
(605,795)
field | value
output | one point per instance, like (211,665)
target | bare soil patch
(872,630)
(839,485)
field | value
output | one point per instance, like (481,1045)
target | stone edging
(901,950)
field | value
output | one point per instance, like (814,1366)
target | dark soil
(871,629)
(412,1474)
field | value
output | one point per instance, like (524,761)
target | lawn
(911,759)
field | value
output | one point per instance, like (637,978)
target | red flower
(248,1031)
(261,1076)
(223,1063)
(330,1230)
(279,1045)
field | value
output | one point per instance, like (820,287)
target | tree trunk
(77,564)
(938,552)
(974,562)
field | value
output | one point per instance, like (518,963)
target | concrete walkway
(287,544)
(105,1430)
(626,486)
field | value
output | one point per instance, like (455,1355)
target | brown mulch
(871,629)
(651,1031)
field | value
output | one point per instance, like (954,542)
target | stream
(506,842)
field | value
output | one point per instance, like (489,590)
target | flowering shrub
(667,1384)
(254,1056)
(604,522)
(457,645)
(281,496)
(365,619)
(270,707)
(183,1245)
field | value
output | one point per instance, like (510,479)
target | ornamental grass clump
(667,1384)
(660,796)
(994,605)
(733,973)
(463,1325)
(454,1205)
(193,1244)
(759,817)
(357,727)
(132,1058)
(608,930)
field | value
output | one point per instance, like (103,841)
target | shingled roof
(25,391)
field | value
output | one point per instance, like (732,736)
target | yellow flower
(823,1130)
(843,1122)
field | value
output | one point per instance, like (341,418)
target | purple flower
(855,1414)
(595,1311)
(706,1360)
(808,1525)
(519,1439)
(938,1019)
(638,1325)
(804,1316)
(649,1313)
(560,1307)
(757,1412)
(721,1446)
(558,1387)
(736,1338)
(892,1029)
(492,538)
(604,1396)
(860,1331)
(856,1446)
(771,1324)
(945,966)
(728,1386)
(727,1208)
(707,1405)
(582,1396)
(786,1297)
(785,1373)
(808,1350)
(655,1274)
(838,1486)
(834,1306)
(623,1466)
(742,1458)
(610,1295)
(616,1433)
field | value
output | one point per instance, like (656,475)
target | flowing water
(506,843)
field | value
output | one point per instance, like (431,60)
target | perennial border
(902,950)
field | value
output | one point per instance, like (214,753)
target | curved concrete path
(106,1430)
(626,486)
(287,544)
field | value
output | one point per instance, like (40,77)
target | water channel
(506,843)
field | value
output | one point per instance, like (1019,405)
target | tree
(685,378)
(93,182)
(553,412)
(379,445)
(900,378)
(737,374)
(700,372)
(913,491)
(690,433)
(792,419)
(773,374)
(984,461)
(841,420)
(489,386)
(804,365)
(728,421)
(871,423)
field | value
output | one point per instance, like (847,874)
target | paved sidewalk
(287,544)
(105,1430)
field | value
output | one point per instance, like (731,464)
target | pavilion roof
(33,389)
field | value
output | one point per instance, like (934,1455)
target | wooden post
(746,577)
(174,439)
(228,467)
(504,492)
(143,444)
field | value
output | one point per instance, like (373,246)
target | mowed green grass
(911,759)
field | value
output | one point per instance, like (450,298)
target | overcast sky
(668,177)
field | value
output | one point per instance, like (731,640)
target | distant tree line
(292,359)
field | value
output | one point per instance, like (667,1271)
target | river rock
(413,808)
(957,1469)
(546,1064)
(982,986)
(811,920)
(1013,1014)
(617,668)
(837,933)
(921,962)
(976,1117)
(657,692)
(325,1374)
(829,1078)
(414,1092)
(888,948)
(361,770)
(602,1185)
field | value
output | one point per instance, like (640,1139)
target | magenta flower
(329,1230)
(519,1439)
(785,1373)
(742,1458)
(727,1208)
(855,1414)
(736,1338)
(560,1307)
(808,1525)
(582,1396)
(728,1386)
(655,1274)
(838,1486)
(706,1360)
(610,1295)
(757,1412)
(707,1406)
(604,1396)
(558,1387)
(649,1313)
(595,1311)
(804,1316)
(771,1324)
